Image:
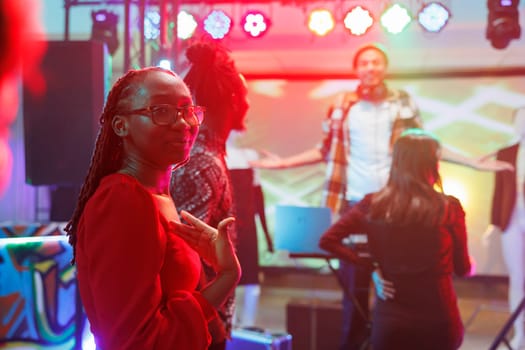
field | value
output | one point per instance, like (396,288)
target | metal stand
(507,326)
(69,4)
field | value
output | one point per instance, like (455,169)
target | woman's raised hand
(213,245)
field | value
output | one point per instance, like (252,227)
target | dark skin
(150,150)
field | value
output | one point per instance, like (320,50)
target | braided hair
(108,154)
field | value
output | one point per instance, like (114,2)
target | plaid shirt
(336,140)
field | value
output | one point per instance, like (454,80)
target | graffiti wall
(38,292)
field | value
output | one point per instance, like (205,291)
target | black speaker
(63,202)
(314,324)
(60,125)
(247,245)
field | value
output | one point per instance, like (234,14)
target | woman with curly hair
(203,186)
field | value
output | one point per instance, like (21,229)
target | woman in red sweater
(137,266)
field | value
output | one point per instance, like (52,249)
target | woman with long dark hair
(417,241)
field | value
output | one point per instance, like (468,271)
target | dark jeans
(356,325)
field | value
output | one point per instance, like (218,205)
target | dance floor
(482,301)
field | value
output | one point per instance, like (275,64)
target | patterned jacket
(202,187)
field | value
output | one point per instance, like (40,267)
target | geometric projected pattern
(472,116)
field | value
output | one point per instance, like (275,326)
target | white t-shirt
(240,158)
(369,155)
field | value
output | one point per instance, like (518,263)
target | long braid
(108,154)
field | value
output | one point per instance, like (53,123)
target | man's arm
(483,163)
(273,161)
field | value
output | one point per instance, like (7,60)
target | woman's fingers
(199,228)
(384,289)
(223,225)
(213,245)
(388,289)
(188,233)
(192,220)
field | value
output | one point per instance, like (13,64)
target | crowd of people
(154,230)
(360,131)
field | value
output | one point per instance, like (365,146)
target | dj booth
(313,323)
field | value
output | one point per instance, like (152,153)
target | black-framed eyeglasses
(166,114)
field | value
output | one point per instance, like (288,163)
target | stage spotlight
(503,22)
(433,17)
(151,25)
(358,20)
(255,24)
(104,28)
(165,63)
(218,24)
(186,25)
(395,19)
(321,22)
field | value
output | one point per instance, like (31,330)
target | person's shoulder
(350,97)
(119,180)
(368,197)
(344,98)
(341,104)
(205,160)
(365,203)
(452,200)
(398,94)
(122,186)
(200,159)
(453,207)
